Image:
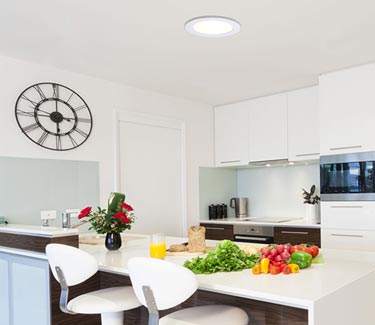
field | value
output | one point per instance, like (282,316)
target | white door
(152,172)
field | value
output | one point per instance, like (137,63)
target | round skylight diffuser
(212,26)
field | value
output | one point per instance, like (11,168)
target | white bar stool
(71,266)
(160,285)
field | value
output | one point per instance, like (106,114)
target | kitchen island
(340,290)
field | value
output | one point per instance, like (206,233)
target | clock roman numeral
(30,127)
(58,142)
(70,97)
(74,142)
(55,91)
(84,120)
(80,132)
(43,137)
(80,107)
(24,113)
(40,92)
(29,100)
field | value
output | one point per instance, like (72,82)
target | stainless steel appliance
(253,234)
(348,177)
(240,206)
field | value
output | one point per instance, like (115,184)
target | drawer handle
(229,161)
(250,238)
(307,154)
(214,228)
(295,232)
(349,147)
(346,206)
(346,235)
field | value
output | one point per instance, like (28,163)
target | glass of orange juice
(157,246)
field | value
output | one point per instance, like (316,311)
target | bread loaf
(197,239)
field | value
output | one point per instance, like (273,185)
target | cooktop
(272,220)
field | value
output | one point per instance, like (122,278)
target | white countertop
(300,290)
(298,223)
(37,230)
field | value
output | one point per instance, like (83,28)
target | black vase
(113,241)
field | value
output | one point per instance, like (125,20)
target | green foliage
(226,257)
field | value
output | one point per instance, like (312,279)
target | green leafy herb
(226,257)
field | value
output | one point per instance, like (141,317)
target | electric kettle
(240,206)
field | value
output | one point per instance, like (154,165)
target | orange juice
(158,250)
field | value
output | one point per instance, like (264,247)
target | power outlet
(48,214)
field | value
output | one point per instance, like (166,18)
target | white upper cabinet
(303,124)
(347,110)
(268,128)
(232,135)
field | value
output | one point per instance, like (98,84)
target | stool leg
(113,318)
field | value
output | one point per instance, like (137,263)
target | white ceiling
(283,44)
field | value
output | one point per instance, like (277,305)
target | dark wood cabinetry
(296,235)
(218,231)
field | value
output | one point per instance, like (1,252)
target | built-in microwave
(348,177)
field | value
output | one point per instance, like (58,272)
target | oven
(253,234)
(348,177)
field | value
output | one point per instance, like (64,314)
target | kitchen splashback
(277,191)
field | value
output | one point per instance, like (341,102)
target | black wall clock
(53,116)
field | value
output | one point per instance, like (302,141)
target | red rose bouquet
(118,217)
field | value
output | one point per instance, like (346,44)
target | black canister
(225,210)
(219,211)
(214,211)
(211,212)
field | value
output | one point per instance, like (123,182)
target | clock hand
(56,106)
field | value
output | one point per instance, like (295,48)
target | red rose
(125,219)
(84,212)
(127,207)
(119,215)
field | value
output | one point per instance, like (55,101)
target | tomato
(307,250)
(314,250)
(295,248)
(274,269)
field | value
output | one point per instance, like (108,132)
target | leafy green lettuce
(226,257)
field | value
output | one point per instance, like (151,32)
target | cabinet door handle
(348,147)
(214,228)
(229,161)
(347,235)
(307,154)
(346,206)
(295,232)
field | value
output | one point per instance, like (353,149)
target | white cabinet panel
(348,239)
(268,128)
(303,124)
(30,291)
(232,135)
(347,110)
(4,290)
(24,290)
(353,215)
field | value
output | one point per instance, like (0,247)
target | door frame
(159,121)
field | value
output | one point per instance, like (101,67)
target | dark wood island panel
(260,313)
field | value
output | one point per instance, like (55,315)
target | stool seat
(104,301)
(206,315)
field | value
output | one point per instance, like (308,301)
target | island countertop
(341,272)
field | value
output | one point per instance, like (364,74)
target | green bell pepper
(302,259)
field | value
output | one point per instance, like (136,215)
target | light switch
(48,214)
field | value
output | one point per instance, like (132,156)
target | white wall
(103,97)
(277,191)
